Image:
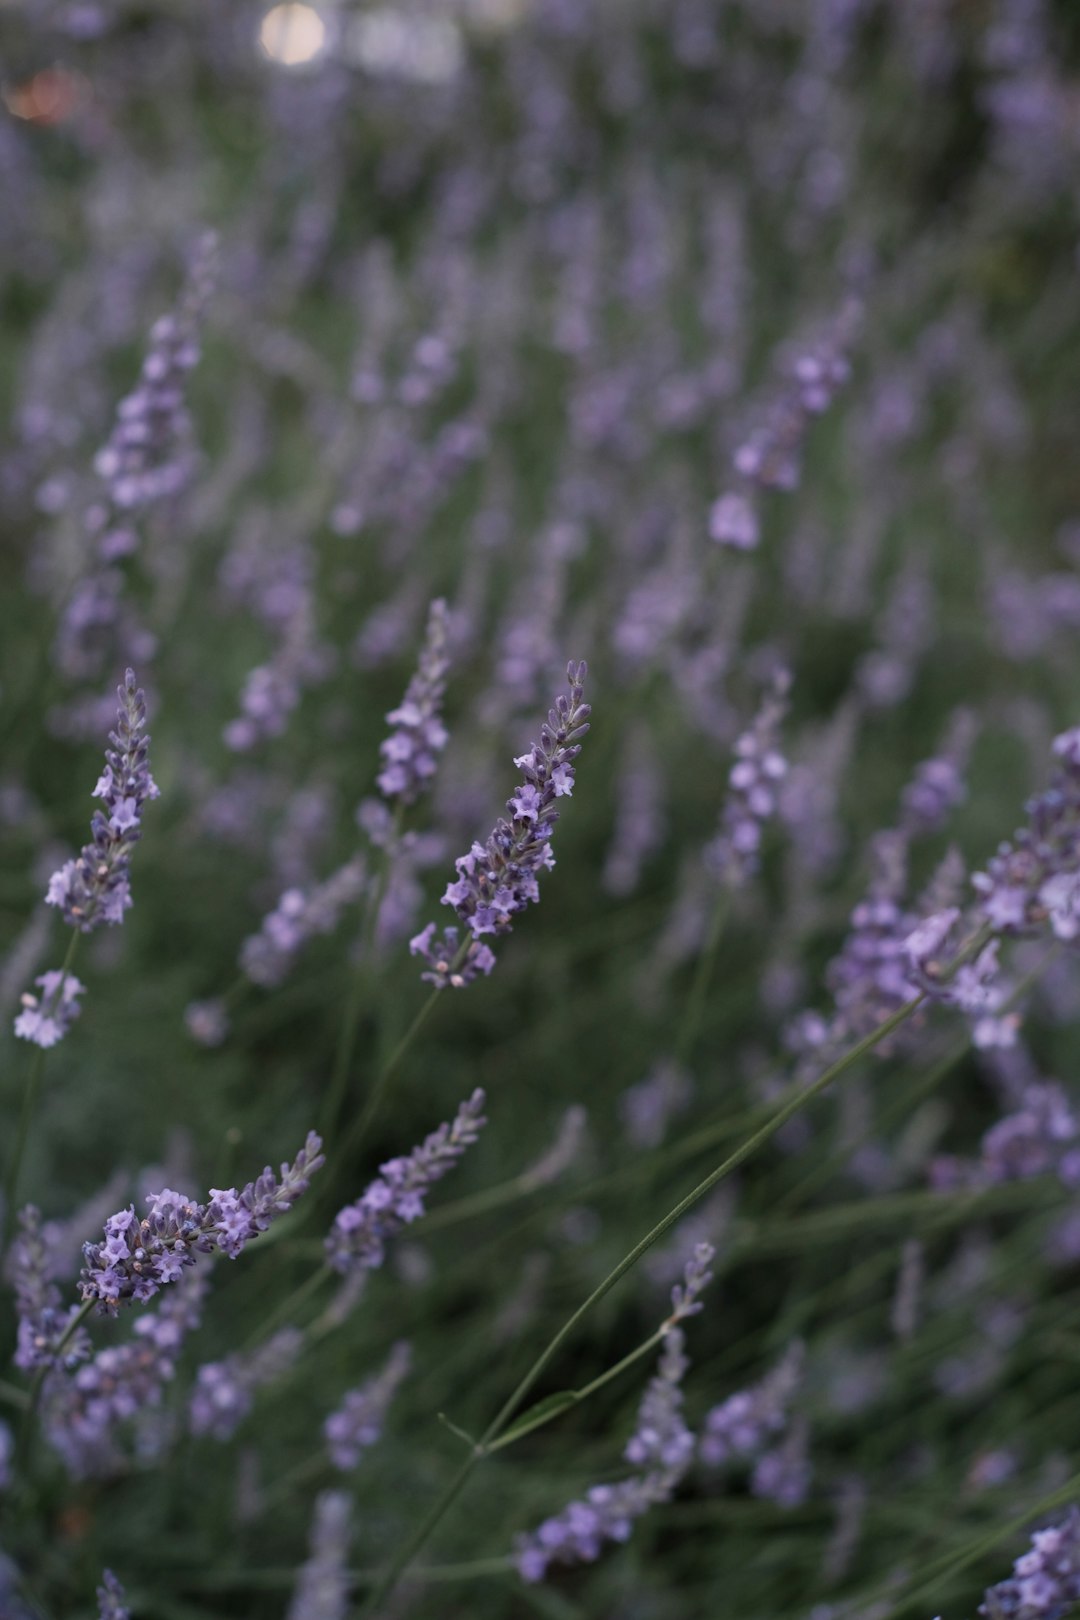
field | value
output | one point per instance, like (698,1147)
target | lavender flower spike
(358,1421)
(1045,1582)
(1035,878)
(410,754)
(754,782)
(661,1448)
(110,1596)
(139,1257)
(322,1585)
(741,1425)
(46,1019)
(94,888)
(225,1391)
(42,1320)
(357,1239)
(497,879)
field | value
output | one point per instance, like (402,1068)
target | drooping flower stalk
(498,879)
(139,1257)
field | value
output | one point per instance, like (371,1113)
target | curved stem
(803,1095)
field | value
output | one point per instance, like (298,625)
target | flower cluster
(112,1604)
(498,879)
(1045,1582)
(782,1474)
(1040,1137)
(742,1425)
(871,976)
(46,1019)
(358,1421)
(94,888)
(661,1449)
(754,782)
(322,1584)
(938,786)
(975,988)
(43,1323)
(1035,878)
(139,1257)
(358,1237)
(225,1391)
(148,456)
(770,458)
(411,753)
(120,1384)
(267,956)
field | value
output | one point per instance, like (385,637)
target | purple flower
(754,783)
(322,1584)
(734,522)
(267,956)
(138,1257)
(782,1475)
(224,1391)
(121,1384)
(1032,878)
(1045,1582)
(411,752)
(46,1019)
(496,880)
(661,1449)
(938,784)
(148,456)
(42,1321)
(358,1421)
(358,1237)
(94,888)
(742,1425)
(110,1596)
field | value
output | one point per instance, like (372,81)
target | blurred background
(733,348)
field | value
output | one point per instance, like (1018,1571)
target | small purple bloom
(358,1237)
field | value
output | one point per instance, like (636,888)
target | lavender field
(539,809)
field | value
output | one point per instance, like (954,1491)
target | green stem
(354,1006)
(542,1418)
(26,1116)
(364,1119)
(282,1312)
(944,1568)
(803,1096)
(706,962)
